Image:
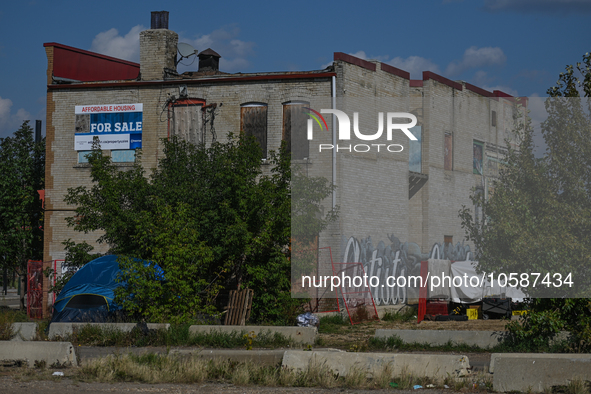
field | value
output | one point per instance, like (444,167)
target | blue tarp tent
(89,295)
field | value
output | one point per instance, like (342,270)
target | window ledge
(300,161)
(87,165)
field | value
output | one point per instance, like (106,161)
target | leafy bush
(209,217)
(539,329)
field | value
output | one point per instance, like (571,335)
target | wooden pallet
(239,307)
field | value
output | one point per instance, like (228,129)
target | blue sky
(518,46)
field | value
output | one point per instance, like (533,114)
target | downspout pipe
(334,142)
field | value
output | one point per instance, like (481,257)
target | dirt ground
(12,385)
(346,336)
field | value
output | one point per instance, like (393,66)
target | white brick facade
(373,188)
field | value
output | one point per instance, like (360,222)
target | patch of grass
(176,368)
(6,329)
(42,330)
(9,316)
(145,369)
(508,345)
(394,342)
(356,378)
(219,339)
(403,315)
(93,335)
(332,324)
(176,335)
(390,343)
(237,339)
(576,386)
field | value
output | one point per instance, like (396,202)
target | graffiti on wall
(396,259)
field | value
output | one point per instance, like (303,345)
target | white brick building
(379,195)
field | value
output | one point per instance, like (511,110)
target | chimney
(158,47)
(209,60)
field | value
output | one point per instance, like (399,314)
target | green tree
(539,217)
(208,216)
(22,172)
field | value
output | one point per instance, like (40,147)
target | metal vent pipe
(159,20)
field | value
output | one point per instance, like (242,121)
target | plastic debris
(430,386)
(392,384)
(417,386)
(307,319)
(57,373)
(445,386)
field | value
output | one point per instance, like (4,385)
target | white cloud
(10,122)
(502,88)
(362,55)
(415,65)
(225,41)
(475,57)
(481,78)
(234,52)
(126,47)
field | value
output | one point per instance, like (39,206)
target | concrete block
(259,357)
(24,331)
(423,365)
(51,353)
(495,356)
(303,335)
(63,330)
(483,339)
(535,372)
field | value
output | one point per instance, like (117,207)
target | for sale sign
(117,126)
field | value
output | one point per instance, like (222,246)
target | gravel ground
(10,385)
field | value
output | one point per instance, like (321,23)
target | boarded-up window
(448,156)
(187,122)
(295,129)
(253,121)
(493,118)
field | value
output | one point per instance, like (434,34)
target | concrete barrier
(534,372)
(52,353)
(483,339)
(420,365)
(63,330)
(259,357)
(24,331)
(303,335)
(495,356)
